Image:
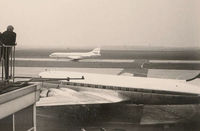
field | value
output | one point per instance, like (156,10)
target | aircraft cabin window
(108,87)
(141,90)
(118,88)
(100,86)
(148,91)
(124,89)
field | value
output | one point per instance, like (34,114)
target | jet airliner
(76,55)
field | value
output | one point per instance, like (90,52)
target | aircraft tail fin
(96,51)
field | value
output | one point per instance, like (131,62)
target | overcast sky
(66,23)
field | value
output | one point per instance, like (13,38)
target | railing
(7,58)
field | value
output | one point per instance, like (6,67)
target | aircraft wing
(66,96)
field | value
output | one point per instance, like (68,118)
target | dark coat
(9,38)
(0,36)
(0,43)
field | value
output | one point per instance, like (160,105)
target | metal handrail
(11,65)
(3,45)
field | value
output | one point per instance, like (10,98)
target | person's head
(10,28)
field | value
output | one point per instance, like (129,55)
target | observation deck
(17,100)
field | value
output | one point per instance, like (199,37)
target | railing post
(11,63)
(14,65)
(2,62)
(8,65)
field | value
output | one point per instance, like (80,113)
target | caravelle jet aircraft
(76,55)
(88,88)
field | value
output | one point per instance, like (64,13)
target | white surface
(65,96)
(126,81)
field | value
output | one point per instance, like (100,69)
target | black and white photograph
(99,65)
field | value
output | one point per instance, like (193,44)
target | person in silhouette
(8,39)
(0,37)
